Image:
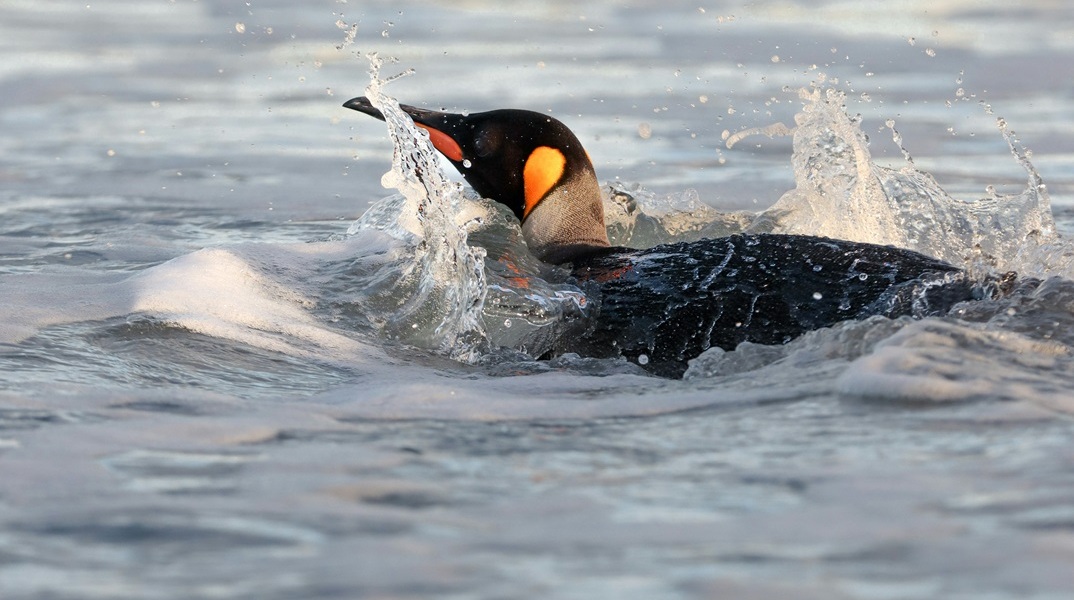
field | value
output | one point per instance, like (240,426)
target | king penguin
(661,307)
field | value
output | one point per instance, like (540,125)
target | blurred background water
(181,416)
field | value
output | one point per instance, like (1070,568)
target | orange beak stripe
(543,170)
(443,142)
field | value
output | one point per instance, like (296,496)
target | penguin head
(528,161)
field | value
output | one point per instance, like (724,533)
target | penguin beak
(362,105)
(429,120)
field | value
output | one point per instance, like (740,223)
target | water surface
(202,397)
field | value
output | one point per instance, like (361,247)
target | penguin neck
(567,223)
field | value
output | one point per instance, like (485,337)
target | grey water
(205,391)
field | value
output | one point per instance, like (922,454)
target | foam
(216,292)
(935,361)
(254,294)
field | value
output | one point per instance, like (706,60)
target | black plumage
(665,305)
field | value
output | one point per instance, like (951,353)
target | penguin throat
(567,223)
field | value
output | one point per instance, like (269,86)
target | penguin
(663,306)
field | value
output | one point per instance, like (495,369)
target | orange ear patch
(443,142)
(542,172)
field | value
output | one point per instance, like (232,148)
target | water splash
(841,193)
(462,281)
(434,299)
(638,218)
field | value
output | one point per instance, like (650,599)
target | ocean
(246,351)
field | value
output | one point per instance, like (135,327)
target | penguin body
(662,306)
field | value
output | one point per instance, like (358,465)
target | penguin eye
(485,143)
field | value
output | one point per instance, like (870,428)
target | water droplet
(775,58)
(817,295)
(240,27)
(911,41)
(643,359)
(507,322)
(645,131)
(863,276)
(930,52)
(466,164)
(817,268)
